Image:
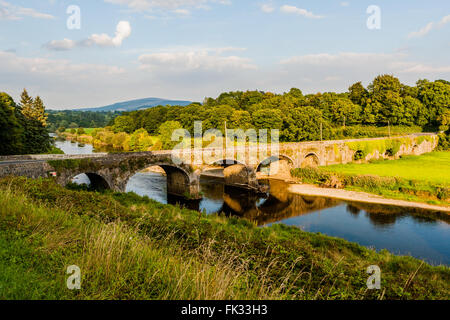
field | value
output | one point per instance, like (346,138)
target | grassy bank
(130,247)
(432,167)
(424,178)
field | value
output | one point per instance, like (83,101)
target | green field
(129,247)
(86,130)
(433,168)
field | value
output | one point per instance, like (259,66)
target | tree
(385,96)
(241,120)
(11,131)
(357,93)
(303,124)
(436,96)
(268,119)
(80,131)
(39,111)
(166,131)
(26,104)
(296,93)
(123,124)
(33,109)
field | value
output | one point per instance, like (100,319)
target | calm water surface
(418,233)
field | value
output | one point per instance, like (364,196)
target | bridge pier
(241,176)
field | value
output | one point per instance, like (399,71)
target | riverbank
(419,179)
(131,247)
(358,196)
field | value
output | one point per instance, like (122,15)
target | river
(421,234)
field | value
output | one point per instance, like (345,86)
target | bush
(444,141)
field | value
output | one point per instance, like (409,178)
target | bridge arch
(227,162)
(180,180)
(94,180)
(311,159)
(285,165)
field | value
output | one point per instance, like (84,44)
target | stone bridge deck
(184,167)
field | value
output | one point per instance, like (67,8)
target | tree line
(69,119)
(385,101)
(23,126)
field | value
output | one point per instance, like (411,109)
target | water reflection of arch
(279,205)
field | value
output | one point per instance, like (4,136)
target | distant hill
(138,104)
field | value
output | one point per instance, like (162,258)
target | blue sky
(189,49)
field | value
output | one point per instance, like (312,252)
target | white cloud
(355,66)
(61,45)
(195,59)
(425,30)
(444,21)
(10,62)
(195,72)
(267,8)
(183,12)
(123,31)
(302,12)
(12,12)
(429,27)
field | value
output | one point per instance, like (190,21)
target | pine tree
(26,104)
(39,111)
(34,122)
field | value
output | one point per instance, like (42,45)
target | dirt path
(357,196)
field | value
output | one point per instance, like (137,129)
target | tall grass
(129,247)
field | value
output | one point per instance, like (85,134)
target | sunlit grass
(432,167)
(130,247)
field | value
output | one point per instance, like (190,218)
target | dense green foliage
(78,119)
(132,247)
(23,127)
(299,117)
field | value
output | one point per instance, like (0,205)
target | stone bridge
(241,164)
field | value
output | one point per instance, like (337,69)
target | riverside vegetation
(424,178)
(131,247)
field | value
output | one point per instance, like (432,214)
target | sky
(90,53)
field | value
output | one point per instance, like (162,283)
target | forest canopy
(386,101)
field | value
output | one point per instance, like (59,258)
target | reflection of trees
(354,211)
(280,205)
(382,215)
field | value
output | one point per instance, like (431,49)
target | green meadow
(432,168)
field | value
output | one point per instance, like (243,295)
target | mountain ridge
(136,104)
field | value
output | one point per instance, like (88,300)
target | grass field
(432,168)
(86,130)
(129,247)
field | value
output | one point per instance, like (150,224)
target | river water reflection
(418,233)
